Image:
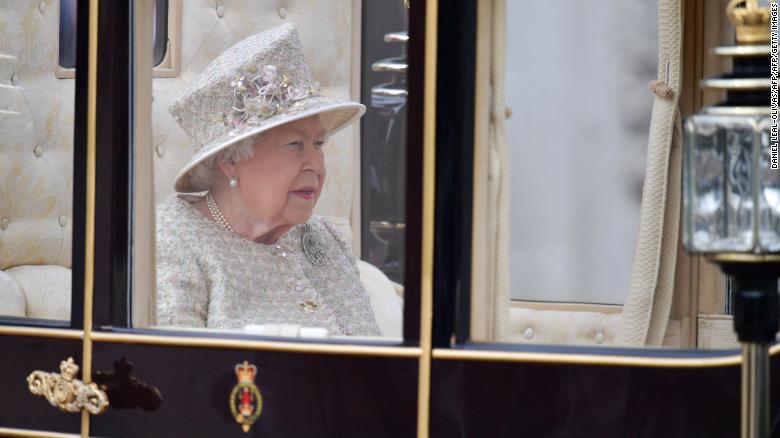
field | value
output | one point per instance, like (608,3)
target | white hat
(259,83)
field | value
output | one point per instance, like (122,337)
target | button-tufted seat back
(36,164)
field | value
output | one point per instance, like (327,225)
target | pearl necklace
(312,246)
(216,213)
(311,243)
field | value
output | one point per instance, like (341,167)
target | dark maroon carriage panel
(20,356)
(304,395)
(495,399)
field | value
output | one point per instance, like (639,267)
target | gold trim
(66,392)
(243,344)
(38,332)
(593,359)
(428,200)
(584,359)
(89,232)
(743,258)
(11,432)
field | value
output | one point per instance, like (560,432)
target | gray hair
(203,174)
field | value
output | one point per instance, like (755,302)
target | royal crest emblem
(246,403)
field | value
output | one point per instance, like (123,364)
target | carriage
(419,189)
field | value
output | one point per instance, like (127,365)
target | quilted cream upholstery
(12,299)
(533,326)
(36,140)
(388,307)
(36,164)
(562,327)
(46,290)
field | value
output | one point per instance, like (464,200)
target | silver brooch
(313,246)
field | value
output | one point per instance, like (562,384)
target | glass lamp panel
(769,195)
(718,190)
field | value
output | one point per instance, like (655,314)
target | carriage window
(383,137)
(578,237)
(159,31)
(67,38)
(36,165)
(277,178)
(574,132)
(572,239)
(165,44)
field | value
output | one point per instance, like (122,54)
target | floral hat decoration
(259,83)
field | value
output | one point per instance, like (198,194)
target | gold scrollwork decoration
(66,392)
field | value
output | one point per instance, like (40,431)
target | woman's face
(283,181)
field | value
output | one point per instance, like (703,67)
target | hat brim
(334,115)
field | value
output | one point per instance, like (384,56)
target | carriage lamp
(731,200)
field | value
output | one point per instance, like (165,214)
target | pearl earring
(233,182)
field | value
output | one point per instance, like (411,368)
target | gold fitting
(66,392)
(750,21)
(743,258)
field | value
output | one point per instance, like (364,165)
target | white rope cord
(648,304)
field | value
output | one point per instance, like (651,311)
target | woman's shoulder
(177,219)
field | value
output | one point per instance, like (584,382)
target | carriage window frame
(79,196)
(116,284)
(454,306)
(167,44)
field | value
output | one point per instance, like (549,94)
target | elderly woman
(238,244)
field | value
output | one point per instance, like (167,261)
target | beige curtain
(649,301)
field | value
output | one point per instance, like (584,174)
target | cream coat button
(42,7)
(160,149)
(529,333)
(4,223)
(221,11)
(38,151)
(282,13)
(63,220)
(14,80)
(599,338)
